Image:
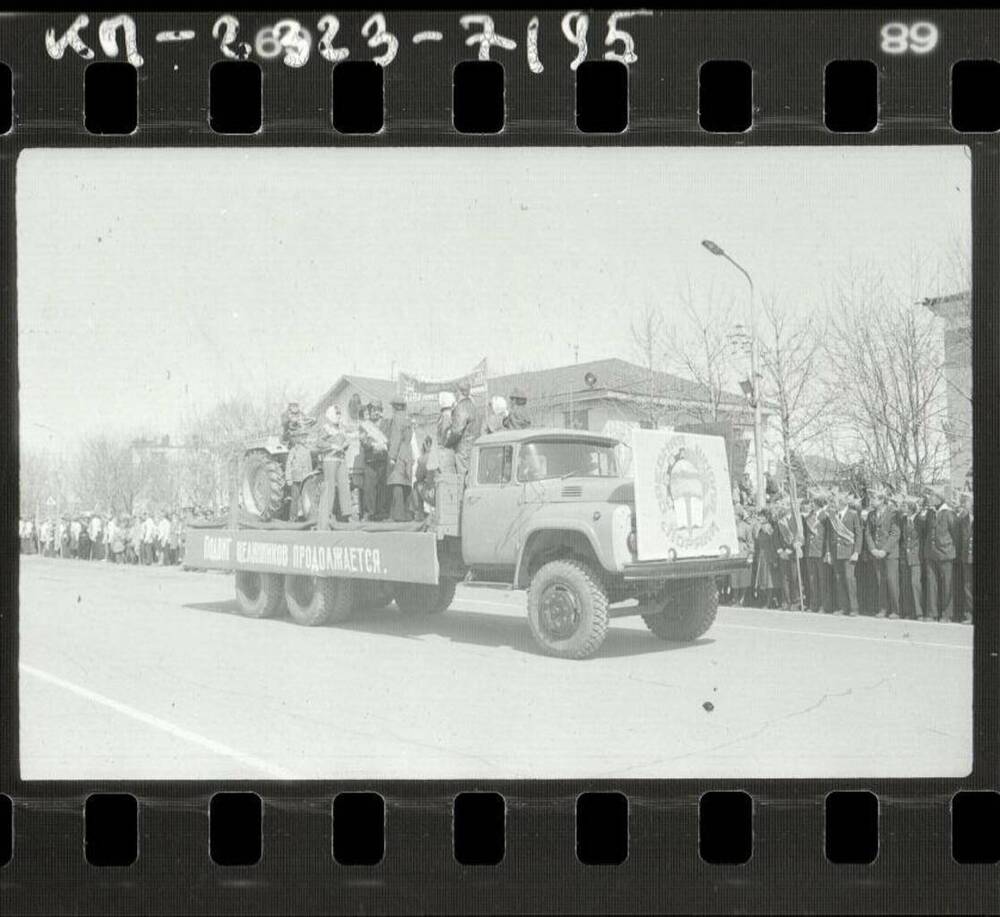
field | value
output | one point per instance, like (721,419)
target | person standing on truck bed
(298,465)
(334,445)
(517,418)
(464,427)
(400,460)
(373,449)
(445,455)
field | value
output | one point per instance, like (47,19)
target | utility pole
(754,374)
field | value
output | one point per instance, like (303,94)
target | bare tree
(109,475)
(42,477)
(698,348)
(791,368)
(702,350)
(888,378)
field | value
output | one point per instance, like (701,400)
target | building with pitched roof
(610,395)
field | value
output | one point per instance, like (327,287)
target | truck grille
(572,490)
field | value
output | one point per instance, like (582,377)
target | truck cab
(552,511)
(529,491)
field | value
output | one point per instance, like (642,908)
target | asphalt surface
(151,673)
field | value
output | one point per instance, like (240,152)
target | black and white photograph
(495,462)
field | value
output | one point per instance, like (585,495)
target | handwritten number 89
(898,38)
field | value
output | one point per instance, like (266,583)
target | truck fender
(552,527)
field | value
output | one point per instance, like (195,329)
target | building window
(577,420)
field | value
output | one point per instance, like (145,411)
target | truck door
(491,509)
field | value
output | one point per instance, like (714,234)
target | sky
(152,283)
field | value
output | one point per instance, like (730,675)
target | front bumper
(683,569)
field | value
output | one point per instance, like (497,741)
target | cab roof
(548,435)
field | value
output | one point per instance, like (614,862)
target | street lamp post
(754,376)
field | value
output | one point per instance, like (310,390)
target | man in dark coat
(844,540)
(814,529)
(963,561)
(911,554)
(465,425)
(400,460)
(882,540)
(940,540)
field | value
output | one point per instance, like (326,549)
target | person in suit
(400,460)
(940,541)
(814,530)
(882,539)
(844,541)
(911,555)
(963,549)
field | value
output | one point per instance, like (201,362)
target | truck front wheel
(314,601)
(686,610)
(260,595)
(567,609)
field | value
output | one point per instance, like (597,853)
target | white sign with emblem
(683,495)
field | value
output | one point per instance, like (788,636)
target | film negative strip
(585,401)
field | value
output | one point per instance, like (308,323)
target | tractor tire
(312,487)
(686,611)
(260,595)
(262,486)
(425,599)
(315,601)
(567,609)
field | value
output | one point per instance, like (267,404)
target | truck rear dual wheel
(568,609)
(688,610)
(424,598)
(260,595)
(317,600)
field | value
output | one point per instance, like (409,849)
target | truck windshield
(569,458)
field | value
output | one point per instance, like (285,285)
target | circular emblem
(687,494)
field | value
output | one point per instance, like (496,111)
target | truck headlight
(622,536)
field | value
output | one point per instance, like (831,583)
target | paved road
(151,673)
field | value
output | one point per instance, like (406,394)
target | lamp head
(712,247)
